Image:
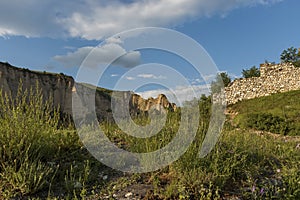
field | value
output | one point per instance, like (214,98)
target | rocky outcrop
(160,103)
(60,89)
(274,78)
(57,87)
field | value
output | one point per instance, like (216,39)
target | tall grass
(36,153)
(242,165)
(28,125)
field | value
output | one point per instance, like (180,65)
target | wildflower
(129,194)
(253,189)
(262,191)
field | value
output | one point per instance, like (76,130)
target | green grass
(37,156)
(243,164)
(280,104)
(277,110)
(42,160)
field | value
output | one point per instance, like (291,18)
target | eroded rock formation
(60,88)
(160,103)
(57,87)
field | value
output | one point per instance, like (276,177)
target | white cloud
(104,54)
(151,76)
(116,40)
(209,78)
(129,59)
(99,19)
(212,77)
(73,58)
(114,75)
(130,78)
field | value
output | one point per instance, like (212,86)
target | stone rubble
(274,78)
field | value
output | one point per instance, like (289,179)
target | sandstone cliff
(57,87)
(160,103)
(60,89)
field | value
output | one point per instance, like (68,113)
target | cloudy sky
(57,36)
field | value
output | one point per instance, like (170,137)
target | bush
(267,122)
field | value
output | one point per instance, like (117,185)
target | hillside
(277,113)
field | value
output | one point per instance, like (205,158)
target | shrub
(267,122)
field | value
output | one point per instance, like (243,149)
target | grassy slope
(284,105)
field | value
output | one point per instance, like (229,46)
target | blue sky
(53,35)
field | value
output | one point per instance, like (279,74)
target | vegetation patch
(277,113)
(42,160)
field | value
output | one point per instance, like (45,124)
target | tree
(222,80)
(290,55)
(252,72)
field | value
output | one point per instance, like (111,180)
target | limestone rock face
(57,87)
(90,99)
(160,103)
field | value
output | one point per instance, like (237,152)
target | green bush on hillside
(267,122)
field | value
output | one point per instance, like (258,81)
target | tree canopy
(222,80)
(252,72)
(291,55)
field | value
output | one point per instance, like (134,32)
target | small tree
(252,72)
(222,80)
(291,55)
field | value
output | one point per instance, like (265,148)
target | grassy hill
(40,159)
(277,113)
